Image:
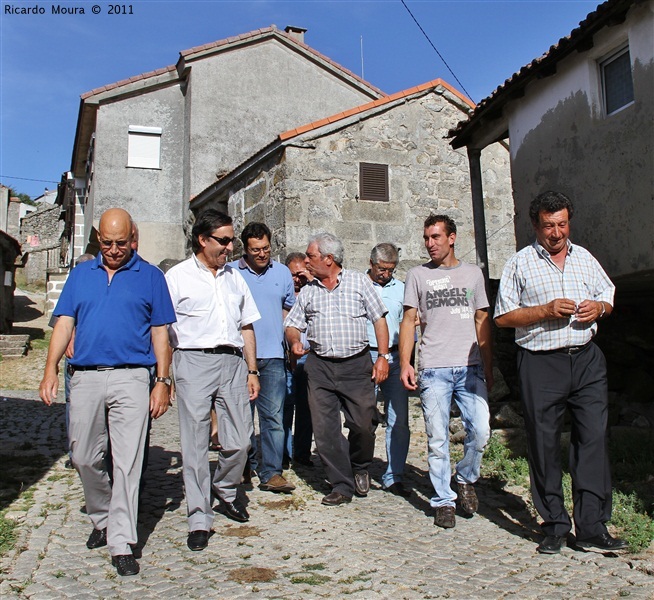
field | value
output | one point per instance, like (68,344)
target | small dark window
(373,182)
(617,82)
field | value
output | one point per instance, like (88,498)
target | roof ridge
(374,104)
(128,80)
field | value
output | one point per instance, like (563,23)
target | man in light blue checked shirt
(334,309)
(553,293)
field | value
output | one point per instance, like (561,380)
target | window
(373,182)
(617,84)
(144,147)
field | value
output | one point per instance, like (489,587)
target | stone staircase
(14,346)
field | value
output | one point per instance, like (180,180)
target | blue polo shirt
(392,295)
(113,319)
(272,291)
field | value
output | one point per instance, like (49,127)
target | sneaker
(445,517)
(468,498)
(604,543)
(277,483)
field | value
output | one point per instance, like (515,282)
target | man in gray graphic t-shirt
(455,361)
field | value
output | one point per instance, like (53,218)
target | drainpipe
(478,214)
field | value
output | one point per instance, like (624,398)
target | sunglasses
(223,241)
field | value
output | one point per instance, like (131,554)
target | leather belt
(216,350)
(338,359)
(73,368)
(570,350)
(391,349)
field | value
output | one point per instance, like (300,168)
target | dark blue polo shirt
(113,320)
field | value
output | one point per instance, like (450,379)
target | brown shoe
(468,498)
(277,483)
(335,498)
(445,517)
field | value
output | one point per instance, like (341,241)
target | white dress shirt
(211,310)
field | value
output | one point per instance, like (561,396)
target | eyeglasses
(390,271)
(120,244)
(223,241)
(263,250)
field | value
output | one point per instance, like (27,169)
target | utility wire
(436,50)
(28,179)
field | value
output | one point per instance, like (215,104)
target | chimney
(297,33)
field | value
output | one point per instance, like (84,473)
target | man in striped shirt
(553,292)
(334,309)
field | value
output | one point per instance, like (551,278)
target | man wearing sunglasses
(214,364)
(119,306)
(271,285)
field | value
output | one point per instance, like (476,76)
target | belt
(216,350)
(568,350)
(337,359)
(73,368)
(391,349)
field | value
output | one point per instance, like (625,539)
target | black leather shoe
(397,489)
(234,510)
(97,539)
(198,540)
(302,460)
(362,483)
(603,542)
(552,544)
(335,498)
(125,564)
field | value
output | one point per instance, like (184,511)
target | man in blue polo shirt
(119,306)
(383,262)
(271,285)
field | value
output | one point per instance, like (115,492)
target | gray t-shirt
(446,299)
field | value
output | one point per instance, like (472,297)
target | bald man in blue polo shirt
(119,306)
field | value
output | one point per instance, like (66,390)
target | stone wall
(40,236)
(314,186)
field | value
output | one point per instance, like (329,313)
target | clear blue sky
(47,61)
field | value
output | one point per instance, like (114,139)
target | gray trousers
(110,405)
(202,380)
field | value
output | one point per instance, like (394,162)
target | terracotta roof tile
(122,82)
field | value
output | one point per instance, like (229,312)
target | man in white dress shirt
(214,363)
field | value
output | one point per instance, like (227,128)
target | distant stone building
(41,238)
(371,174)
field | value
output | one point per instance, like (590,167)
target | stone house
(41,239)
(152,142)
(580,120)
(9,252)
(370,174)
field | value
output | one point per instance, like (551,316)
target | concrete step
(14,346)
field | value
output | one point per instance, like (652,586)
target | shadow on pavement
(32,439)
(163,490)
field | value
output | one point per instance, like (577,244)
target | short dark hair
(549,202)
(294,256)
(450,225)
(205,223)
(254,230)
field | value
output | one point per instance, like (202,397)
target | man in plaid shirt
(333,309)
(553,292)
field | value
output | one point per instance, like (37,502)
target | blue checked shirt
(530,278)
(335,321)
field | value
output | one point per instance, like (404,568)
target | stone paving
(381,546)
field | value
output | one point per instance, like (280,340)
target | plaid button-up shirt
(335,321)
(530,278)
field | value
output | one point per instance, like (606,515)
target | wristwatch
(251,372)
(166,380)
(386,356)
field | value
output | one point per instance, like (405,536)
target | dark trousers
(342,386)
(550,382)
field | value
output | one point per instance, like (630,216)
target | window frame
(139,154)
(603,63)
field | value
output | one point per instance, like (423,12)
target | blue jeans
(468,388)
(298,444)
(270,406)
(396,400)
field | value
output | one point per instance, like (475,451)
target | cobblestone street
(381,546)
